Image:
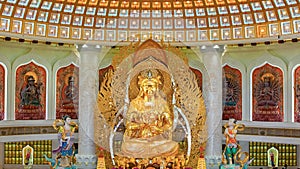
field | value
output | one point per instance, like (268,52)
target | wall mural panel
(297,95)
(232,95)
(2,92)
(198,76)
(267,96)
(30,97)
(67,90)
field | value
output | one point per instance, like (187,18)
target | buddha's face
(149,87)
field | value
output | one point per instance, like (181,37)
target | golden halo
(33,74)
(270,75)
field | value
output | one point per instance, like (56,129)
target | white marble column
(211,56)
(88,91)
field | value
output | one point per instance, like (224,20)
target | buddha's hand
(155,129)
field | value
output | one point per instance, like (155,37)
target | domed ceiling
(167,20)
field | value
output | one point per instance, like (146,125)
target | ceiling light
(287,27)
(284,12)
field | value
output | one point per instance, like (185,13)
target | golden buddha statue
(148,121)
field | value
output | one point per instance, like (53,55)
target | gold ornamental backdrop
(179,82)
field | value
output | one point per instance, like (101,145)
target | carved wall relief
(267,96)
(2,92)
(232,95)
(297,94)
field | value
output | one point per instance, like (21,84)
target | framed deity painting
(67,92)
(30,95)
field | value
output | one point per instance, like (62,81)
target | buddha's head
(149,81)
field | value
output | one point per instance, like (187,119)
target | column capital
(88,48)
(219,49)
